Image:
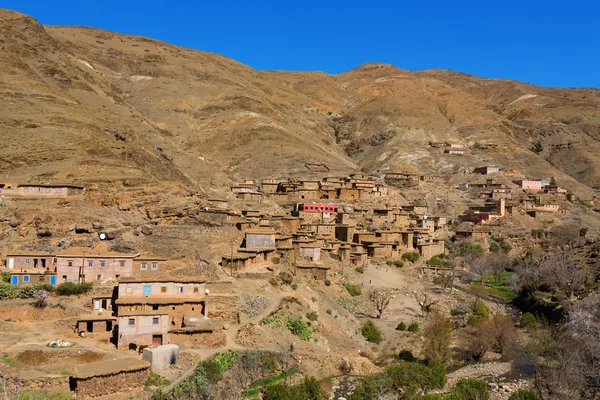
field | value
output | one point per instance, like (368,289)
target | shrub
(411,256)
(5,277)
(8,291)
(457,311)
(327,282)
(395,263)
(481,310)
(416,375)
(269,362)
(41,299)
(26,292)
(312,316)
(309,389)
(294,286)
(298,327)
(360,270)
(371,332)
(413,327)
(354,290)
(155,379)
(470,389)
(406,355)
(528,321)
(70,288)
(523,394)
(439,260)
(401,326)
(329,311)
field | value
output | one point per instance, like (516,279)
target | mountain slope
(73,93)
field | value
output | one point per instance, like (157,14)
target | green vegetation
(439,260)
(298,327)
(406,355)
(268,382)
(327,282)
(354,290)
(470,389)
(500,244)
(8,291)
(156,380)
(401,326)
(5,277)
(528,320)
(312,316)
(538,233)
(413,327)
(294,286)
(70,288)
(307,390)
(276,320)
(329,311)
(395,263)
(360,270)
(523,394)
(371,332)
(537,147)
(480,312)
(42,394)
(410,377)
(412,256)
(501,286)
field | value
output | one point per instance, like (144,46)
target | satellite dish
(103,236)
(207,291)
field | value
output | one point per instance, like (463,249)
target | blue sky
(550,43)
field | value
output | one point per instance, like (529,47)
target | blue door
(146,290)
(53,280)
(14,280)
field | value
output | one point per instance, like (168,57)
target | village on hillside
(149,315)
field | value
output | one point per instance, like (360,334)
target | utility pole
(231,259)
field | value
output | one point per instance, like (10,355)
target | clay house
(245,225)
(269,186)
(36,261)
(173,296)
(95,323)
(261,255)
(486,170)
(345,233)
(219,204)
(430,248)
(383,215)
(249,196)
(260,238)
(312,271)
(361,237)
(325,230)
(238,261)
(466,230)
(144,265)
(310,184)
(502,193)
(401,179)
(83,265)
(306,194)
(530,185)
(104,302)
(30,278)
(456,146)
(416,209)
(359,257)
(389,235)
(242,188)
(310,251)
(454,151)
(40,190)
(348,194)
(289,224)
(344,218)
(378,251)
(109,377)
(142,327)
(250,214)
(432,178)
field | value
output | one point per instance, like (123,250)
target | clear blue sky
(550,43)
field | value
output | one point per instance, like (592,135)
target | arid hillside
(88,105)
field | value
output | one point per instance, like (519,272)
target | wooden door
(156,340)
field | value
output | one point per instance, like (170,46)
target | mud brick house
(220,204)
(249,196)
(260,238)
(343,218)
(349,194)
(345,233)
(95,323)
(82,265)
(310,251)
(261,255)
(269,186)
(36,261)
(41,190)
(310,184)
(383,215)
(359,256)
(325,230)
(486,170)
(32,278)
(144,265)
(110,377)
(312,270)
(467,230)
(531,185)
(430,248)
(172,296)
(142,327)
(238,261)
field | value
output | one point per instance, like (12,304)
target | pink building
(529,185)
(79,266)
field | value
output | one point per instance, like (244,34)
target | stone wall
(212,339)
(105,385)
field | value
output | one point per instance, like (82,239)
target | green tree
(437,338)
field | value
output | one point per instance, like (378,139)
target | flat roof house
(81,265)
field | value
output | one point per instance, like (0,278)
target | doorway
(157,340)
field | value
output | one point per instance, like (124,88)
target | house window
(196,289)
(154,265)
(25,190)
(163,289)
(25,278)
(180,289)
(154,320)
(90,263)
(129,290)
(70,263)
(99,277)
(121,263)
(27,261)
(143,266)
(131,321)
(155,307)
(102,263)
